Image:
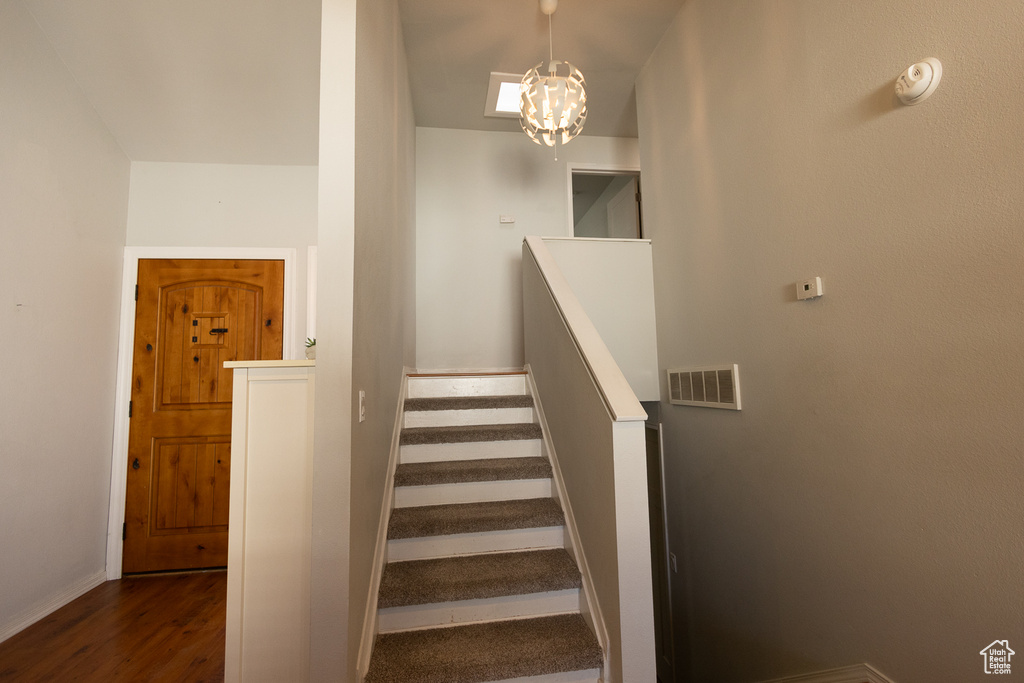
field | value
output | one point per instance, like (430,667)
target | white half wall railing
(270,521)
(596,427)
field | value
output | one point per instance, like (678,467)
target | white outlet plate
(809,289)
(362,405)
(506,220)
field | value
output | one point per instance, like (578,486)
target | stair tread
(468,402)
(464,518)
(485,652)
(470,577)
(468,433)
(460,471)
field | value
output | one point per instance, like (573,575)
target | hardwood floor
(146,628)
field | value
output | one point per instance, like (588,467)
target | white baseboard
(589,607)
(471,492)
(857,673)
(466,384)
(466,417)
(30,616)
(442,614)
(472,450)
(585,676)
(465,371)
(380,552)
(476,543)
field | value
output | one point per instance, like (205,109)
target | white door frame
(126,344)
(592,169)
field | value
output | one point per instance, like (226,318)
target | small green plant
(310,341)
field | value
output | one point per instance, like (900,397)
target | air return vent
(711,386)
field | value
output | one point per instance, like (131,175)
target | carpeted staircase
(478,585)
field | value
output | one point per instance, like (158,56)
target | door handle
(219,330)
(135,464)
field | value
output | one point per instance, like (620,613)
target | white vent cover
(710,386)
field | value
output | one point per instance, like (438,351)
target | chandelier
(552,107)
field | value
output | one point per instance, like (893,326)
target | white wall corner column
(270,521)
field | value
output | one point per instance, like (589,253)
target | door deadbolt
(135,464)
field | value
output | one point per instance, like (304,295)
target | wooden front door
(191,316)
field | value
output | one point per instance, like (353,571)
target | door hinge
(124,531)
(136,292)
(129,408)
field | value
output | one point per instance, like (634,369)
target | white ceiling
(208,81)
(232,81)
(453,45)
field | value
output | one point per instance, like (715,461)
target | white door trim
(592,169)
(126,342)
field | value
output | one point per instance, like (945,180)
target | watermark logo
(997,657)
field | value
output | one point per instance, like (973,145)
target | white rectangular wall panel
(270,522)
(614,282)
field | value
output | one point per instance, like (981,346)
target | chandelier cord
(551,50)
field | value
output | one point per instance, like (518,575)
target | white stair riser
(474,416)
(471,492)
(583,676)
(427,547)
(472,450)
(484,609)
(473,385)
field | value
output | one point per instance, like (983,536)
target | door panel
(190,485)
(191,317)
(191,373)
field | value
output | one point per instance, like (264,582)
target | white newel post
(270,521)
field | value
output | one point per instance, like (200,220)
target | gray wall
(594,223)
(384,278)
(63,204)
(867,503)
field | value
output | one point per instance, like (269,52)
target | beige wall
(469,303)
(63,202)
(594,223)
(384,279)
(867,503)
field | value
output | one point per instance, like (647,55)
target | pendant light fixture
(553,107)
